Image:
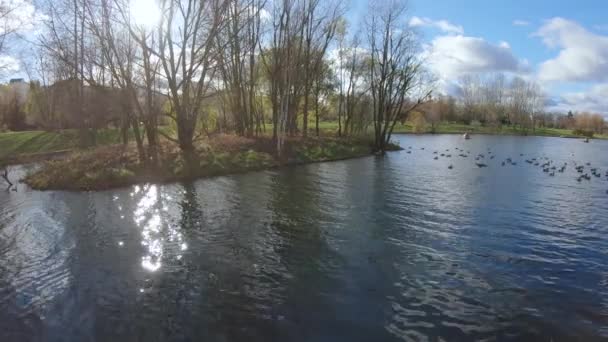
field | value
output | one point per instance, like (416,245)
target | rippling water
(372,249)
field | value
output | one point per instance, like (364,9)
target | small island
(117,166)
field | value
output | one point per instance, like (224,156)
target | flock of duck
(548,166)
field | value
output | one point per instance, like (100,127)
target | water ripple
(392,248)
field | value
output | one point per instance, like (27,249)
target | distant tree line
(496,100)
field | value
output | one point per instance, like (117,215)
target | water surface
(370,249)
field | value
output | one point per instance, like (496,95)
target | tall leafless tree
(396,71)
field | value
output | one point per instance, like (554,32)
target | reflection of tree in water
(107,261)
(164,294)
(225,269)
(184,297)
(298,220)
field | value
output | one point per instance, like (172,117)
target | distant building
(16,80)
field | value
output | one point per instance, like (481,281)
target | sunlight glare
(145,13)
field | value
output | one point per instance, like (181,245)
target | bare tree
(237,47)
(397,79)
(320,25)
(66,42)
(355,66)
(186,37)
(323,86)
(520,102)
(280,60)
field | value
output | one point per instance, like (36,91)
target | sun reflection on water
(157,233)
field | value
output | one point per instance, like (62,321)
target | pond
(400,247)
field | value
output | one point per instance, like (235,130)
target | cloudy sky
(562,44)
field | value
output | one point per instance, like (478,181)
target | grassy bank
(116,166)
(455,128)
(25,146)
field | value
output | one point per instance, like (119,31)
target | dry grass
(118,165)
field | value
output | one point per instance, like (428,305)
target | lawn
(14,144)
(19,143)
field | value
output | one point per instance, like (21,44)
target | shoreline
(508,134)
(108,168)
(38,146)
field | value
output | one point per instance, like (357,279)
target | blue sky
(493,20)
(562,45)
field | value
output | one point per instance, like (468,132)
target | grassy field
(14,144)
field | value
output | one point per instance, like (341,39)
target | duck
(480,165)
(450,167)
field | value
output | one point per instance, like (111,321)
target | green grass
(456,128)
(19,143)
(15,144)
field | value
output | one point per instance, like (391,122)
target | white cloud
(442,25)
(452,56)
(583,55)
(8,64)
(504,45)
(519,22)
(593,100)
(21,17)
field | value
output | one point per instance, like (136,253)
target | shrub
(583,132)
